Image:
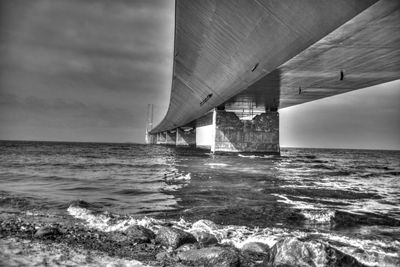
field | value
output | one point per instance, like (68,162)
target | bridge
(237,62)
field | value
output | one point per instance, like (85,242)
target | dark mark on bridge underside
(206,99)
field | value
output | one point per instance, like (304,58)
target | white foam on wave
(371,251)
(294,203)
(319,215)
(216,164)
(256,156)
(312,213)
(104,222)
(238,236)
(249,156)
(183,177)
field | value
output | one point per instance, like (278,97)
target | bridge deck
(263,51)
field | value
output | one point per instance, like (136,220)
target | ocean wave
(216,164)
(131,191)
(177,177)
(367,250)
(355,213)
(258,156)
(107,222)
(321,191)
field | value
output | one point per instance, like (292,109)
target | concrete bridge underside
(256,56)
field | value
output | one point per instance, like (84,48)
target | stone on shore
(172,237)
(205,225)
(293,252)
(256,247)
(140,234)
(205,239)
(134,234)
(211,256)
(48,232)
(187,247)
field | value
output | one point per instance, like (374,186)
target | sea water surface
(347,198)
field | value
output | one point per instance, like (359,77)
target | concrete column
(224,132)
(170,137)
(151,138)
(204,131)
(161,138)
(186,137)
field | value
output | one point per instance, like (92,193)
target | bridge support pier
(161,138)
(185,137)
(170,137)
(222,131)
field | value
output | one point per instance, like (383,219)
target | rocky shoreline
(170,246)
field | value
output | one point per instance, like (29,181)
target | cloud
(34,111)
(83,64)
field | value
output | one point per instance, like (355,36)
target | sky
(85,70)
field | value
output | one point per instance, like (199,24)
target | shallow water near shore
(349,199)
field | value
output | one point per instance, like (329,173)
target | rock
(212,256)
(140,234)
(253,254)
(118,237)
(172,237)
(162,255)
(205,238)
(48,232)
(187,247)
(256,247)
(293,252)
(134,234)
(205,225)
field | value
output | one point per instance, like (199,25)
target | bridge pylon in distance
(150,138)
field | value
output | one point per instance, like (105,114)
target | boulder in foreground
(48,232)
(293,252)
(134,234)
(211,256)
(172,237)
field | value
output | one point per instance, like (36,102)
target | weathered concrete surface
(161,138)
(205,131)
(186,137)
(151,138)
(258,135)
(222,47)
(366,49)
(170,138)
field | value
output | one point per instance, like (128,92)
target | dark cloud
(35,111)
(81,64)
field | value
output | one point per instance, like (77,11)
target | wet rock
(49,232)
(205,225)
(293,252)
(212,256)
(171,237)
(256,247)
(205,238)
(134,234)
(187,247)
(253,254)
(140,234)
(162,255)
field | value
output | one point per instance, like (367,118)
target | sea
(347,198)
